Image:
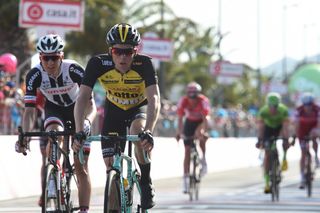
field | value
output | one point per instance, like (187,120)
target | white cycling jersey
(61,91)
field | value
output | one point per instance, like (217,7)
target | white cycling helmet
(50,44)
(194,87)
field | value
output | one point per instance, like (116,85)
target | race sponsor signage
(225,68)
(66,14)
(157,48)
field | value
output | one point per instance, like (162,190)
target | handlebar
(51,134)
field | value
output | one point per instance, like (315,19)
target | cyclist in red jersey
(195,107)
(307,123)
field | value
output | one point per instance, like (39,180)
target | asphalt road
(222,192)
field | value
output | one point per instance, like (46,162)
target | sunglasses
(120,51)
(50,57)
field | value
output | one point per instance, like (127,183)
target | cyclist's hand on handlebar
(146,140)
(259,144)
(87,127)
(79,137)
(178,137)
(22,147)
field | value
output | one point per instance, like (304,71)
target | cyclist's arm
(180,125)
(153,107)
(261,126)
(91,109)
(285,127)
(29,118)
(82,106)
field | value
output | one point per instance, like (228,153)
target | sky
(280,28)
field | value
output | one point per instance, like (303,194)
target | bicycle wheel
(275,176)
(71,192)
(53,200)
(194,178)
(112,195)
(308,176)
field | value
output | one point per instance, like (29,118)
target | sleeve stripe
(30,99)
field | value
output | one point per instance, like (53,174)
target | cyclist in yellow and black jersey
(124,90)
(132,98)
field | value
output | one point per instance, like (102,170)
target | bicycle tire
(112,196)
(308,176)
(194,178)
(274,177)
(71,195)
(53,204)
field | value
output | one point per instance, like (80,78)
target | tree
(13,39)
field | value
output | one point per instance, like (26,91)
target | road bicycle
(120,196)
(274,166)
(309,168)
(57,196)
(195,168)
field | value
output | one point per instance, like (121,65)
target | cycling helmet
(193,89)
(50,44)
(123,34)
(307,98)
(273,99)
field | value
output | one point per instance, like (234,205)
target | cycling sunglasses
(121,51)
(50,57)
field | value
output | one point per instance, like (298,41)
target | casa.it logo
(35,11)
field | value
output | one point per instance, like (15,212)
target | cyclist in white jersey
(58,80)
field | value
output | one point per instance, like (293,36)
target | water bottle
(51,187)
(127,191)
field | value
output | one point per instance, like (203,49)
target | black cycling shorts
(55,114)
(117,120)
(270,132)
(189,129)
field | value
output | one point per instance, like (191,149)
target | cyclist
(133,95)
(195,107)
(307,122)
(273,120)
(58,80)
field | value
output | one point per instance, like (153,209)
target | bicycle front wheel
(194,179)
(112,195)
(275,179)
(308,176)
(52,196)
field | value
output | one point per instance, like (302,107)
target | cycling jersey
(125,90)
(273,120)
(307,121)
(194,112)
(61,91)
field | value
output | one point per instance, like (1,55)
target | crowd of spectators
(225,121)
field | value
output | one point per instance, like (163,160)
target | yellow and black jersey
(123,90)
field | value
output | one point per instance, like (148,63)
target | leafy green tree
(13,39)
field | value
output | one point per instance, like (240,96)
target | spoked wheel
(275,180)
(52,198)
(309,176)
(194,179)
(112,196)
(72,194)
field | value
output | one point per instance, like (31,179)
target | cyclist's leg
(147,188)
(268,134)
(315,134)
(202,143)
(83,177)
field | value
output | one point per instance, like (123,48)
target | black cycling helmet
(123,34)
